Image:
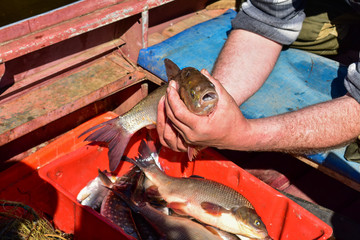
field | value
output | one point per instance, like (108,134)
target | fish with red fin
(196,91)
(205,200)
(169,227)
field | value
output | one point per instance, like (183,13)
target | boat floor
(329,199)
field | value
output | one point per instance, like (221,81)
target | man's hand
(178,127)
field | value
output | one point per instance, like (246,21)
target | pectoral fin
(213,209)
(104,179)
(178,207)
(192,152)
(153,193)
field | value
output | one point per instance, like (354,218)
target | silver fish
(95,191)
(197,92)
(207,201)
(170,227)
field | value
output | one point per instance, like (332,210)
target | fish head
(250,223)
(196,91)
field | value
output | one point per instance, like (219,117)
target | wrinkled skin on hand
(178,127)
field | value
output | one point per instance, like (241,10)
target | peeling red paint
(74,27)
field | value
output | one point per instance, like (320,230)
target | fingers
(218,86)
(224,97)
(168,136)
(173,138)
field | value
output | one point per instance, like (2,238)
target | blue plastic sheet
(299,78)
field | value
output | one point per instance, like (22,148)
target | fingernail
(172,84)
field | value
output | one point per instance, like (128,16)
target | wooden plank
(59,65)
(65,95)
(223,4)
(156,38)
(199,17)
(348,182)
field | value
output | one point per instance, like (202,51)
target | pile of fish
(148,204)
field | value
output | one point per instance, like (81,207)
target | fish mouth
(206,103)
(209,96)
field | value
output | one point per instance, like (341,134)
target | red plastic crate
(70,172)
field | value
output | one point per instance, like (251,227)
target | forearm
(242,68)
(311,129)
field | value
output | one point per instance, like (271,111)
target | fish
(169,227)
(95,191)
(145,229)
(207,201)
(197,92)
(115,209)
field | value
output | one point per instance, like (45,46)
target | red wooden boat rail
(78,18)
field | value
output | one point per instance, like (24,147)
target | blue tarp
(299,78)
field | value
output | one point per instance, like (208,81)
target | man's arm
(241,67)
(311,129)
(249,54)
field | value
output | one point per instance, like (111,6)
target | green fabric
(352,152)
(326,26)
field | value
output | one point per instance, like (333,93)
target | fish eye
(257,223)
(192,93)
(187,73)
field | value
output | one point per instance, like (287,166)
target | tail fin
(145,158)
(115,135)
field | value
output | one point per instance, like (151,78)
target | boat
(76,65)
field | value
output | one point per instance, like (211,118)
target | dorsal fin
(171,69)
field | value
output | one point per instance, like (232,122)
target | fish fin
(145,157)
(104,179)
(115,135)
(213,209)
(154,148)
(177,207)
(171,69)
(153,193)
(212,230)
(192,152)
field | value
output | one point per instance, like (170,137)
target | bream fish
(197,92)
(169,227)
(208,201)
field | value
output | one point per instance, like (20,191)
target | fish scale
(208,191)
